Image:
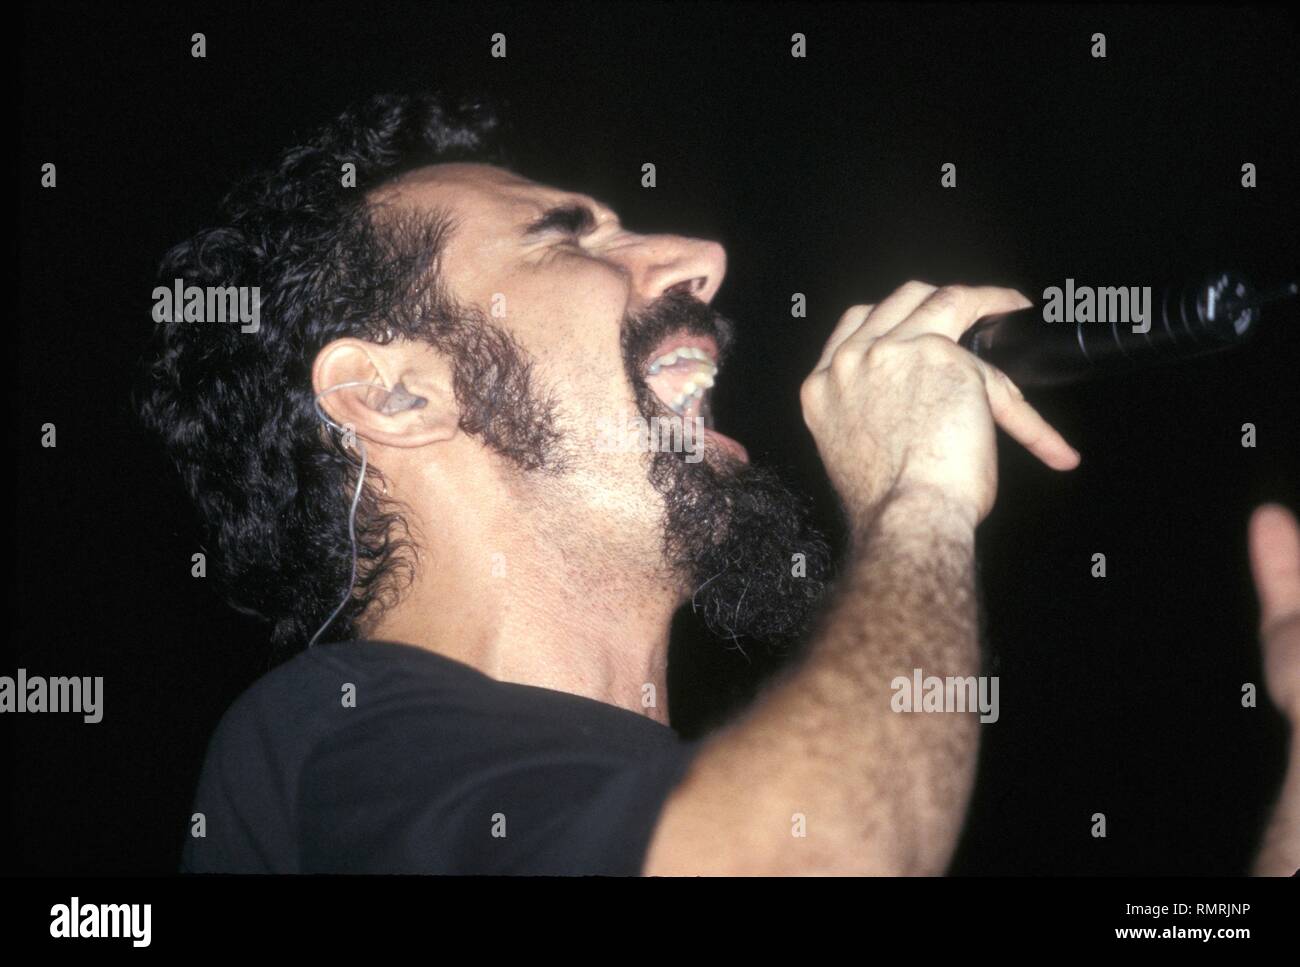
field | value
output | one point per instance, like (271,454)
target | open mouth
(681,372)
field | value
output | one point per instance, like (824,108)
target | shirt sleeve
(464,795)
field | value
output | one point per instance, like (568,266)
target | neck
(545,606)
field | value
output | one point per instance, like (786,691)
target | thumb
(1275,563)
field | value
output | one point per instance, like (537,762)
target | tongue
(668,383)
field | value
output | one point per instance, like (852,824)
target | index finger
(1023,423)
(849,323)
(952,310)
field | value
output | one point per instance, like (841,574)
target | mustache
(730,530)
(673,312)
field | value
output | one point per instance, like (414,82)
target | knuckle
(854,314)
(942,354)
(936,347)
(812,402)
(883,352)
(809,390)
(950,297)
(845,363)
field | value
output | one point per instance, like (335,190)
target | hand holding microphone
(906,392)
(900,411)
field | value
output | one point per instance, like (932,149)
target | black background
(1118,695)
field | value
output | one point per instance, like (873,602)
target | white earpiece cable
(356,500)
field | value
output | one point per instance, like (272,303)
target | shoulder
(378,694)
(249,786)
(381,757)
(331,687)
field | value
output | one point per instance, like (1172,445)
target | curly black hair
(235,409)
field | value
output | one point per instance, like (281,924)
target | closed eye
(574,220)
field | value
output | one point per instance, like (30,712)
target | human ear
(398,394)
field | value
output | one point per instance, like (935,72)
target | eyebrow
(572,217)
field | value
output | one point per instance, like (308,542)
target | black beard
(731,529)
(495,391)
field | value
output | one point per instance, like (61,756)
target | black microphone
(1187,320)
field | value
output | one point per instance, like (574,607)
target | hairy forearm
(878,791)
(1279,851)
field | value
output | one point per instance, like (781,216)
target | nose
(659,263)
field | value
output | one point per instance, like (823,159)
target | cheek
(566,311)
(582,329)
(598,296)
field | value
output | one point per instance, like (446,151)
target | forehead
(483,193)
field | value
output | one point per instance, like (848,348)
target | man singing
(443,346)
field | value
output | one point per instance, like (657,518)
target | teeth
(701,375)
(689,394)
(682,352)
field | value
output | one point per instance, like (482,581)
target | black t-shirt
(436,768)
